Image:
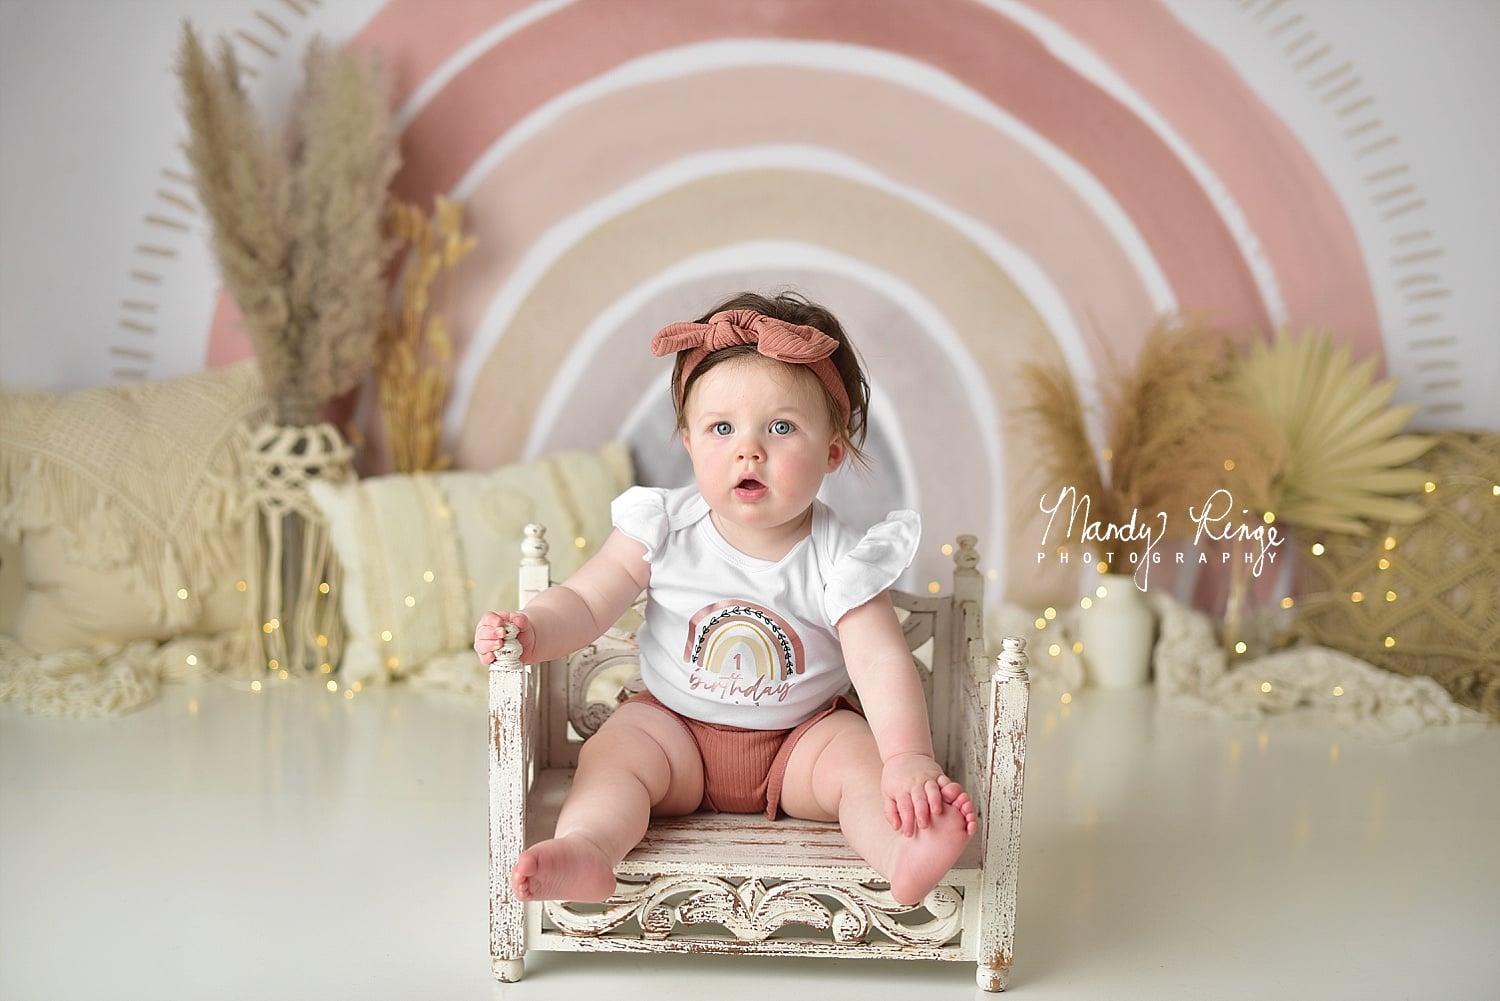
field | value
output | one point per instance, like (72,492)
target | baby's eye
(782,427)
(722,428)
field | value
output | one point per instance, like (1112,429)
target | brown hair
(790,307)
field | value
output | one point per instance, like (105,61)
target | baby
(761,610)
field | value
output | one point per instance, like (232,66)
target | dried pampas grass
(296,216)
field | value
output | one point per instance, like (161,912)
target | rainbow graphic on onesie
(743,640)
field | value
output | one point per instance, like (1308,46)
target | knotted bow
(793,343)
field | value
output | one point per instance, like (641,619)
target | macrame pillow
(1423,598)
(424,555)
(125,505)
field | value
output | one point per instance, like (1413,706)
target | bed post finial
(966,556)
(1011,661)
(534,547)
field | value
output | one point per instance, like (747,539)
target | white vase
(1118,631)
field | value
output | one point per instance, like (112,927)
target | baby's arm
(576,612)
(914,785)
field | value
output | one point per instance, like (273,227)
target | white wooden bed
(701,884)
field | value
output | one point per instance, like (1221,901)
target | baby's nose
(750,448)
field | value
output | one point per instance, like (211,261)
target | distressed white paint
(700,884)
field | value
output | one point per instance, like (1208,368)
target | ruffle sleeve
(641,513)
(873,564)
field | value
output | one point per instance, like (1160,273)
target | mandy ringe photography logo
(1138,539)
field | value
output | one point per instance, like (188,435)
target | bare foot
(566,868)
(918,862)
(954,796)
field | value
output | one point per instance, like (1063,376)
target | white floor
(293,844)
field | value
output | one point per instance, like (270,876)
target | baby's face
(761,441)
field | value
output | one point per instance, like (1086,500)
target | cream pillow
(425,554)
(124,504)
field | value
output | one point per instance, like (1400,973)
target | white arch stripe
(1043,295)
(1087,64)
(468,53)
(853,60)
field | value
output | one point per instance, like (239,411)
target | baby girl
(761,610)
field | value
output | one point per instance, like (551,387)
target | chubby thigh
(656,749)
(839,749)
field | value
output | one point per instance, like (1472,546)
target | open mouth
(749,488)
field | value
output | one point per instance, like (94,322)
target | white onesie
(745,642)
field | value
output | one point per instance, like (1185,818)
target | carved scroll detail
(754,909)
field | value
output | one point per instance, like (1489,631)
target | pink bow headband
(793,343)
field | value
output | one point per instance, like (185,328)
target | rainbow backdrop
(969,186)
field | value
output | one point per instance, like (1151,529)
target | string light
(1338,691)
(385,634)
(241,586)
(1103,568)
(1429,486)
(1049,613)
(580,543)
(325,667)
(1078,646)
(933,587)
(1041,623)
(1390,641)
(255,686)
(1086,602)
(1287,602)
(428,576)
(411,601)
(1269,517)
(322,640)
(1228,465)
(192,660)
(1067,697)
(1357,597)
(1055,650)
(993,575)
(1390,596)
(333,686)
(273,664)
(1240,647)
(1266,688)
(1101,591)
(323,588)
(1317,549)
(1390,542)
(182,593)
(947,549)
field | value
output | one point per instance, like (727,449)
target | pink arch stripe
(987,52)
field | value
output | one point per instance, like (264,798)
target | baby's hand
(916,790)
(490,634)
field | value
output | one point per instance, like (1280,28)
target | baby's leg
(640,762)
(834,774)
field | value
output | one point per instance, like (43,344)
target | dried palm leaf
(1344,451)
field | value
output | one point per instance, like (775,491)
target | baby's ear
(837,452)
